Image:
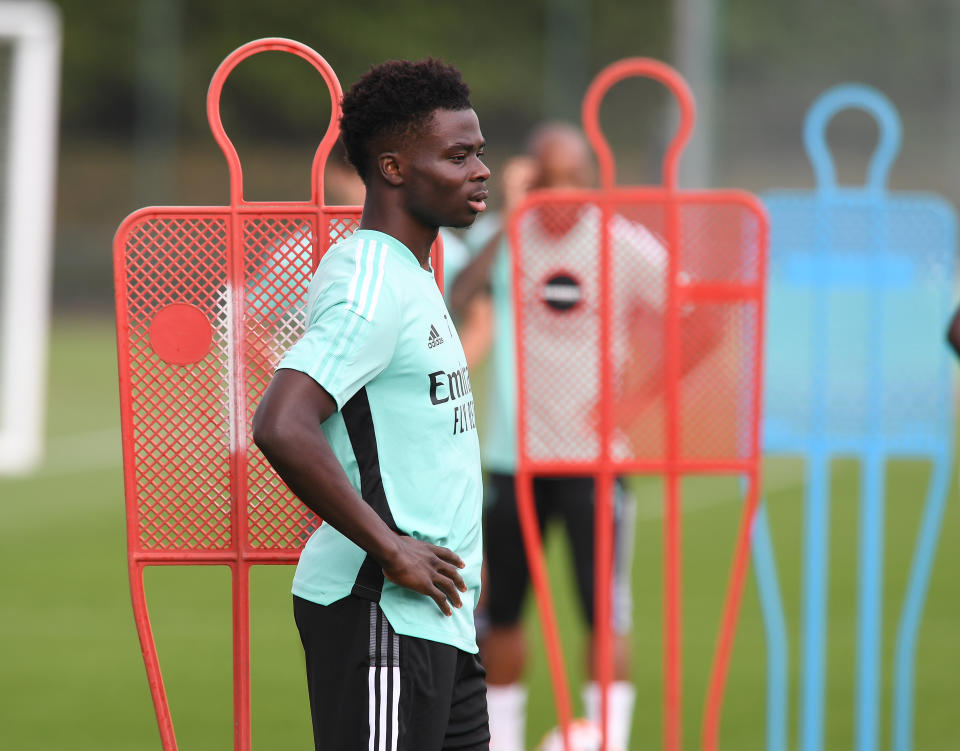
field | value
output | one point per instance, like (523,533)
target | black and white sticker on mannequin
(562,292)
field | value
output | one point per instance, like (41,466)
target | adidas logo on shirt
(434,339)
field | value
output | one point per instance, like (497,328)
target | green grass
(71,676)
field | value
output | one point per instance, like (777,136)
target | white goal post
(31,29)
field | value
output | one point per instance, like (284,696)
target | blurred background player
(558,158)
(566,424)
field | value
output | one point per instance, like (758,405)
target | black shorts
(570,499)
(372,689)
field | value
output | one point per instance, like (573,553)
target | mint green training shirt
(380,341)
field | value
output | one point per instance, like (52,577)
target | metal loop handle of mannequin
(273,44)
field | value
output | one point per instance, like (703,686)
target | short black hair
(396,98)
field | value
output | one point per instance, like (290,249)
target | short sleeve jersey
(569,285)
(380,341)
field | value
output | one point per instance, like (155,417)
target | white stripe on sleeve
(376,289)
(352,290)
(364,294)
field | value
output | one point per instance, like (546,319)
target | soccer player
(369,420)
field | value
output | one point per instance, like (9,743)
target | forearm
(286,427)
(306,463)
(475,276)
(644,376)
(302,457)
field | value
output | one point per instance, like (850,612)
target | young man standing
(369,420)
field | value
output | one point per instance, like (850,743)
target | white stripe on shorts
(384,704)
(371,703)
(396,699)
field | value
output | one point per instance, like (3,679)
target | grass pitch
(71,676)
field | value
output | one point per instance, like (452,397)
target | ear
(389,166)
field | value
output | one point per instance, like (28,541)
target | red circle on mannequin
(181,334)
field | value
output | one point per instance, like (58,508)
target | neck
(391,220)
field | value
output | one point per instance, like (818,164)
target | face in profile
(444,177)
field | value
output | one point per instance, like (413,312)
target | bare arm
(953,333)
(644,380)
(286,428)
(518,176)
(475,276)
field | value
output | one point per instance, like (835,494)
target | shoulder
(352,273)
